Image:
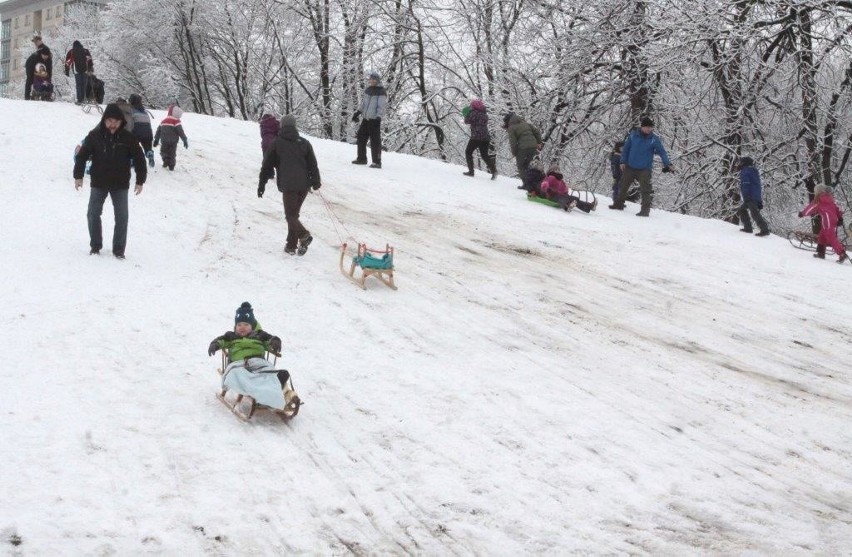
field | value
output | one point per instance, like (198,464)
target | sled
(372,262)
(241,401)
(583,195)
(807,240)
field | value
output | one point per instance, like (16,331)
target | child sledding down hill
(553,187)
(248,372)
(830,216)
(169,132)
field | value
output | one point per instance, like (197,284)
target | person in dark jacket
(170,131)
(79,59)
(112,150)
(750,190)
(637,161)
(269,128)
(292,158)
(476,117)
(42,55)
(142,128)
(372,109)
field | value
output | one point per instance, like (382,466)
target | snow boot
(763,233)
(468,173)
(746,230)
(843,257)
(150,155)
(376,165)
(359,161)
(304,242)
(617,207)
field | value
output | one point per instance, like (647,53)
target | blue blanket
(256,378)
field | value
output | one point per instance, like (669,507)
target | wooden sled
(240,401)
(807,240)
(372,262)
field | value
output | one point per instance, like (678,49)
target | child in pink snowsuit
(269,128)
(830,216)
(553,187)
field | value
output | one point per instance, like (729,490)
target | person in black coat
(291,157)
(112,150)
(41,55)
(79,59)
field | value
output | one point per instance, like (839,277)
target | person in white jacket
(372,109)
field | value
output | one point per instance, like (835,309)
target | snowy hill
(541,383)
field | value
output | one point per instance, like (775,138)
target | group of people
(38,70)
(122,139)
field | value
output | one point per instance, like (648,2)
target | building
(20,20)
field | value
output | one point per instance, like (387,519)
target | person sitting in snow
(553,187)
(830,216)
(248,372)
(170,131)
(533,176)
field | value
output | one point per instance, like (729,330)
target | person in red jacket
(79,60)
(830,216)
(553,187)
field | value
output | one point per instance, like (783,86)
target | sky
(541,383)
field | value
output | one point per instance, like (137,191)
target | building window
(26,21)
(15,64)
(17,22)
(4,71)
(49,11)
(7,29)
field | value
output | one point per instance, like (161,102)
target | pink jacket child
(830,216)
(553,187)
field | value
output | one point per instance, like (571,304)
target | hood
(513,120)
(113,111)
(175,111)
(746,161)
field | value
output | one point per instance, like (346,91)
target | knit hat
(537,164)
(175,111)
(245,314)
(506,118)
(374,75)
(746,161)
(135,101)
(553,168)
(821,189)
(288,121)
(646,123)
(113,111)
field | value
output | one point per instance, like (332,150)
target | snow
(541,382)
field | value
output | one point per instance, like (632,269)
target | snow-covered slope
(542,382)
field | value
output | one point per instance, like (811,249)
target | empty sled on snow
(253,384)
(372,262)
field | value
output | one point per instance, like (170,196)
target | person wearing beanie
(112,150)
(142,128)
(752,199)
(637,161)
(269,128)
(169,132)
(533,177)
(830,216)
(476,116)
(248,372)
(79,60)
(291,161)
(373,106)
(554,188)
(42,55)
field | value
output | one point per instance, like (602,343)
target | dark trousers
(97,197)
(523,160)
(370,130)
(483,145)
(27,86)
(168,151)
(80,81)
(643,176)
(292,206)
(751,207)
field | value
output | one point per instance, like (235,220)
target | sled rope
(335,220)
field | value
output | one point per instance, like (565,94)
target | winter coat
(79,59)
(111,155)
(826,209)
(374,102)
(291,158)
(127,110)
(615,165)
(638,151)
(142,128)
(269,128)
(30,64)
(533,179)
(170,130)
(750,187)
(253,345)
(35,58)
(522,135)
(477,119)
(553,185)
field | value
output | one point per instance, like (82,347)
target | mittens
(213,348)
(275,345)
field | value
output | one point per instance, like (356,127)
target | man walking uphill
(112,150)
(292,158)
(637,160)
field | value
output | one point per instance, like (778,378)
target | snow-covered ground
(541,382)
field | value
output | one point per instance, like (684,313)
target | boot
(763,233)
(615,206)
(645,210)
(843,257)
(746,230)
(820,252)
(468,173)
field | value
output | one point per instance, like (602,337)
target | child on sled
(248,372)
(42,87)
(553,187)
(830,216)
